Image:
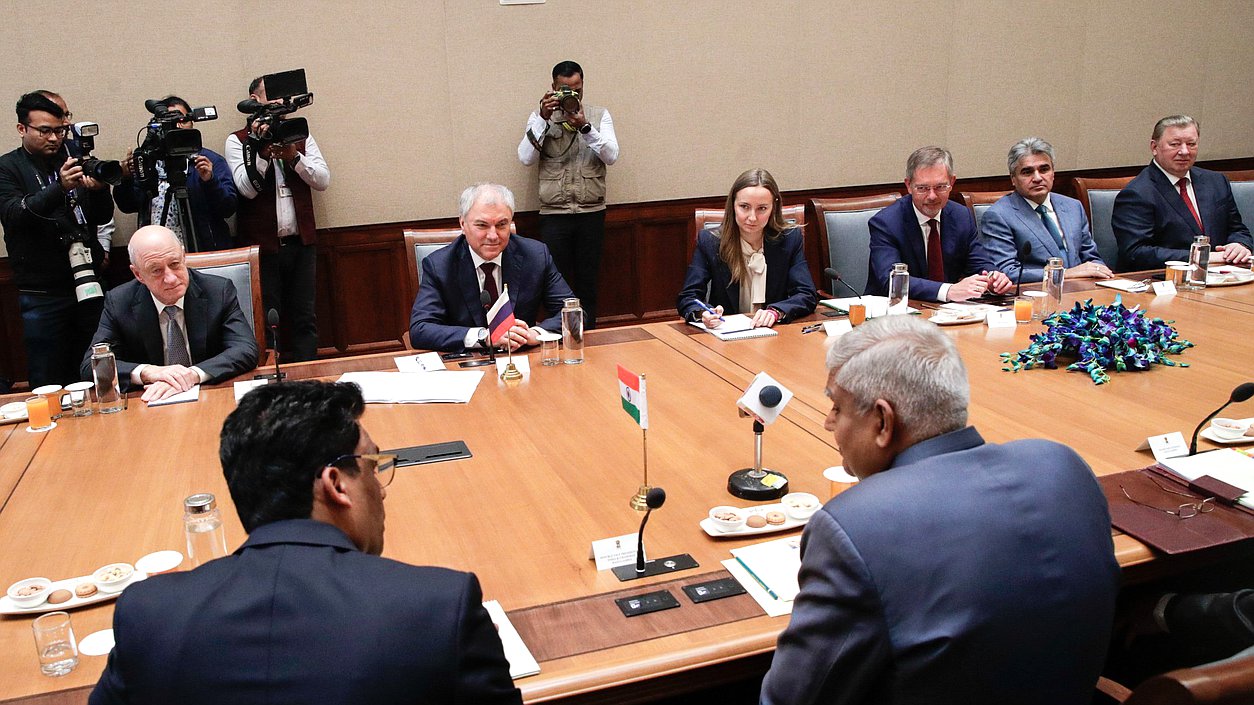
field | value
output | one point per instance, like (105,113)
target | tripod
(176,176)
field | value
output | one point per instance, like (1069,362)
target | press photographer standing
(573,142)
(210,193)
(50,211)
(276,213)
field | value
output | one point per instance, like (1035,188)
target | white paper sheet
(447,386)
(192,394)
(521,662)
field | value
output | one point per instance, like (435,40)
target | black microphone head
(249,106)
(655,498)
(831,273)
(770,396)
(485,299)
(1025,250)
(272,318)
(1242,392)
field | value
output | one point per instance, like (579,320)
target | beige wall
(414,100)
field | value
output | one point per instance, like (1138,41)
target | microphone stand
(1242,392)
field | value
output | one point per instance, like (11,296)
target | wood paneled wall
(363,304)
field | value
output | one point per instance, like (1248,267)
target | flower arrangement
(1101,338)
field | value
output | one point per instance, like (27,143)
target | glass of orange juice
(1023,309)
(38,414)
(857,314)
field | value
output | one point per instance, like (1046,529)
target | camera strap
(250,165)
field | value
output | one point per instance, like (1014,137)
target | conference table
(555,463)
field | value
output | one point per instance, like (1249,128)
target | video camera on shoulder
(104,170)
(165,140)
(286,92)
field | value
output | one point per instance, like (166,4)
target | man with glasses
(934,236)
(956,570)
(305,610)
(48,208)
(276,213)
(210,193)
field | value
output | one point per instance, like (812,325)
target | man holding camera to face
(50,207)
(276,169)
(210,191)
(573,142)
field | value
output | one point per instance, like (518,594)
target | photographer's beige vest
(572,176)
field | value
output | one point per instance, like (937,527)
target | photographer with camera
(211,193)
(277,165)
(573,142)
(104,232)
(50,207)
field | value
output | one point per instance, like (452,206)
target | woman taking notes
(751,264)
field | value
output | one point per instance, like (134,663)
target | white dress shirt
(942,293)
(310,166)
(179,319)
(600,139)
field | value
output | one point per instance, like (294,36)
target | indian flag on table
(631,387)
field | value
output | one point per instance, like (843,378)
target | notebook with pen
(736,326)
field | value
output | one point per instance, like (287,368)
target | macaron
(85,589)
(775,518)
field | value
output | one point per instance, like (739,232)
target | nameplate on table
(1000,319)
(835,329)
(615,551)
(1166,446)
(1164,288)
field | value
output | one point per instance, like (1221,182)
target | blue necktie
(1051,226)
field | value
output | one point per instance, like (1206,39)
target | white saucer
(97,643)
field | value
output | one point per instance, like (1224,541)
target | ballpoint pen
(811,328)
(708,310)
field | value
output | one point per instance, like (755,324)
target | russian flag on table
(500,317)
(631,387)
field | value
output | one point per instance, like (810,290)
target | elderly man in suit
(449,312)
(172,328)
(1022,230)
(1159,213)
(955,571)
(306,610)
(933,236)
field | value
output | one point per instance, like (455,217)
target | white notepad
(736,326)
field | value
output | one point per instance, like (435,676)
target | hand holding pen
(710,317)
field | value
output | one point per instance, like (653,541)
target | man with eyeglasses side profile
(305,611)
(47,204)
(934,236)
(956,571)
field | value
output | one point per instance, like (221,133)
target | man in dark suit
(306,611)
(947,574)
(1023,229)
(171,328)
(449,313)
(933,236)
(1159,213)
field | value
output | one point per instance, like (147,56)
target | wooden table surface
(555,462)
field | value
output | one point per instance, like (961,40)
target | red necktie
(489,281)
(935,261)
(1184,193)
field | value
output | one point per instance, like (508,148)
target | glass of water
(54,640)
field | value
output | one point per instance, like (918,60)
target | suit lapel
(195,320)
(149,325)
(1172,196)
(468,283)
(914,240)
(1032,221)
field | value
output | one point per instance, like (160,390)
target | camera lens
(109,172)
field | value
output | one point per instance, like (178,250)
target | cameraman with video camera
(573,142)
(50,206)
(277,165)
(211,193)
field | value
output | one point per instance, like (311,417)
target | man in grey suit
(1022,230)
(955,571)
(171,328)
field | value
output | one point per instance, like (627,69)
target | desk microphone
(272,321)
(835,277)
(654,499)
(1242,392)
(1023,254)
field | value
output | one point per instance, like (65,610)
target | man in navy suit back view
(956,572)
(306,611)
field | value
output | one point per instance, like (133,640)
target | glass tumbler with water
(54,640)
(572,332)
(202,523)
(899,289)
(104,373)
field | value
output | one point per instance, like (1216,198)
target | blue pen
(708,310)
